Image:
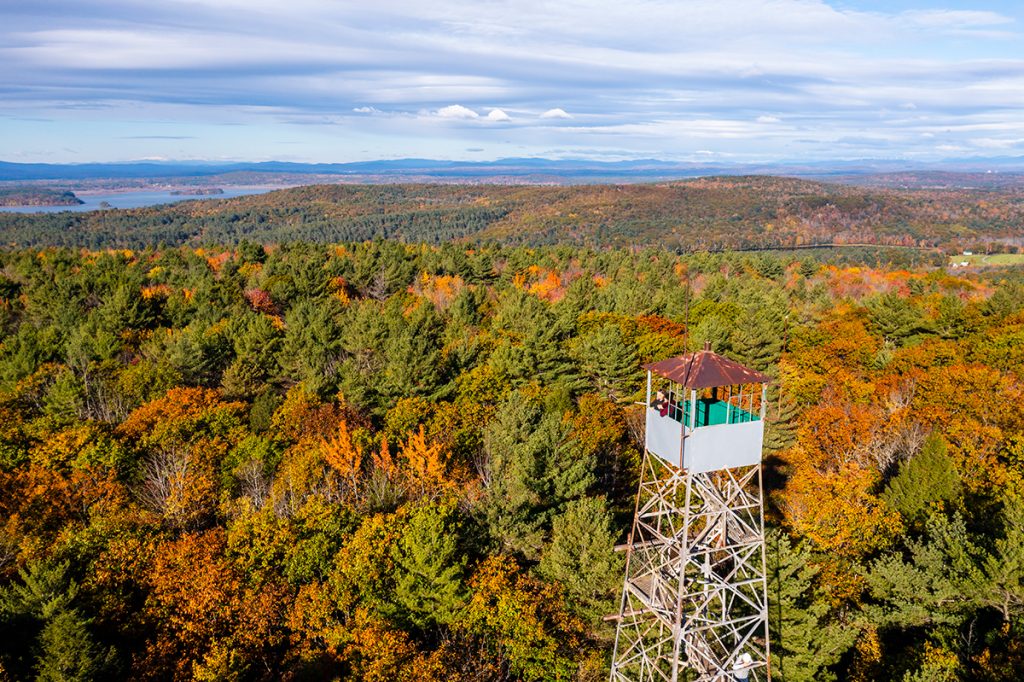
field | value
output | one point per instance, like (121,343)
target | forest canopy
(378,461)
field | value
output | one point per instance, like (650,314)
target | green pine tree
(756,340)
(1004,568)
(311,349)
(808,268)
(895,317)
(608,361)
(925,481)
(935,582)
(40,629)
(807,639)
(429,566)
(67,652)
(581,557)
(413,364)
(714,330)
(769,267)
(532,470)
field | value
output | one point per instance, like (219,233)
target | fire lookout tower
(695,601)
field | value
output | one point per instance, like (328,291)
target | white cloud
(657,76)
(457,111)
(158,48)
(946,18)
(996,143)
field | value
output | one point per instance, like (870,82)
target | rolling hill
(716,213)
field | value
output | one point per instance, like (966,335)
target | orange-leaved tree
(209,623)
(425,465)
(183,437)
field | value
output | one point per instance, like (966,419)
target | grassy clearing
(981,260)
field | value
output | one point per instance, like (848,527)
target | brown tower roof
(705,369)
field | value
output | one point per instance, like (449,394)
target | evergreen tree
(251,252)
(429,566)
(769,267)
(757,331)
(714,330)
(413,364)
(45,589)
(124,309)
(581,557)
(808,268)
(806,638)
(23,352)
(481,265)
(532,343)
(310,350)
(936,584)
(1004,568)
(363,333)
(256,343)
(67,652)
(199,353)
(1006,300)
(465,309)
(929,478)
(608,361)
(756,340)
(40,628)
(895,317)
(581,296)
(532,470)
(951,319)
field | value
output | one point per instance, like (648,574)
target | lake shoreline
(101,200)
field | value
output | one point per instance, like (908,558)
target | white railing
(707,448)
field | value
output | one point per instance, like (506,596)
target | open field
(980,260)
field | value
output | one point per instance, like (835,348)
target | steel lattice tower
(694,601)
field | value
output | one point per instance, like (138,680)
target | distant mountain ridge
(581,170)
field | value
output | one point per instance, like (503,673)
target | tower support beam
(694,601)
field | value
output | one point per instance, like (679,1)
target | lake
(134,200)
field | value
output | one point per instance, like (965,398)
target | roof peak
(706,369)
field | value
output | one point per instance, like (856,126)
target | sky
(339,80)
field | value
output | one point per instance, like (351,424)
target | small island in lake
(197,192)
(37,196)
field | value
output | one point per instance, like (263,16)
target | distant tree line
(715,214)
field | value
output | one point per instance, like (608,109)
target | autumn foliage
(388,461)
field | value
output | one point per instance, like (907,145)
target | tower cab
(705,412)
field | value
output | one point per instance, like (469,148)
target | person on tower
(741,667)
(660,403)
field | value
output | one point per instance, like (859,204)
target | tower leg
(694,599)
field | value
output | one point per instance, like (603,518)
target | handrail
(706,412)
